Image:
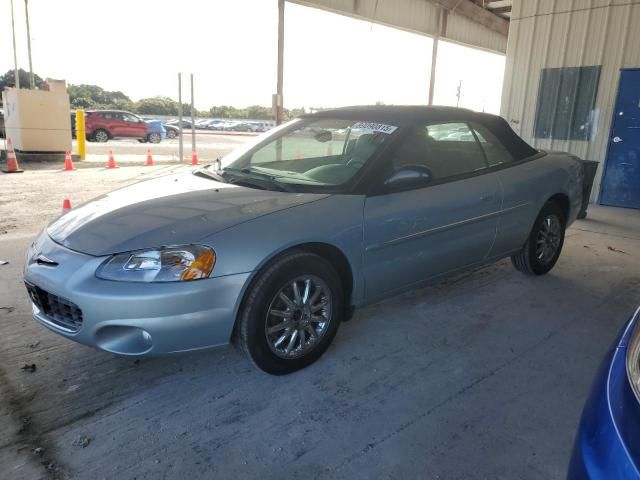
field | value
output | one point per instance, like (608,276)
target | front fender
(335,220)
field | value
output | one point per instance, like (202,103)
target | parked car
(172,131)
(274,250)
(607,444)
(216,125)
(103,125)
(260,126)
(156,132)
(176,123)
(243,127)
(208,124)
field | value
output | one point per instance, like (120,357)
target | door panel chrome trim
(442,228)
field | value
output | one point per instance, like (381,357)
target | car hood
(154,126)
(172,210)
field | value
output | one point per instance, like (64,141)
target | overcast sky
(138,46)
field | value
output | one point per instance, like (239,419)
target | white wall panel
(569,33)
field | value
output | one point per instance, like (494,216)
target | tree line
(95,97)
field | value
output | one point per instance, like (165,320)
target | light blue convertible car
(329,212)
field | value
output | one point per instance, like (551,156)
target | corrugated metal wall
(569,33)
(418,16)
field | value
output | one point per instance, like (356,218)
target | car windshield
(315,154)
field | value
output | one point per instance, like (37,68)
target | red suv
(103,125)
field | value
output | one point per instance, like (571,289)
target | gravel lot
(480,377)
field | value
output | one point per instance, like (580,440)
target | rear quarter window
(495,151)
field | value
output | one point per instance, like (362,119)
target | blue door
(621,182)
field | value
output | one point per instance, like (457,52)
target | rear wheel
(100,135)
(154,137)
(291,314)
(544,245)
(171,134)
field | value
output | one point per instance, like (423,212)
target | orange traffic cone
(12,161)
(66,205)
(149,158)
(298,156)
(112,162)
(194,157)
(68,163)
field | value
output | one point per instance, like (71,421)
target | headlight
(170,264)
(633,356)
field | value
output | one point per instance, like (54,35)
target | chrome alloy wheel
(298,317)
(548,240)
(101,136)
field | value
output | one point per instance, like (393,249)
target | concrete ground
(480,377)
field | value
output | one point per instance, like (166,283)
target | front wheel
(291,313)
(101,135)
(542,249)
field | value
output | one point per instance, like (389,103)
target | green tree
(258,112)
(93,96)
(156,106)
(223,111)
(290,114)
(9,79)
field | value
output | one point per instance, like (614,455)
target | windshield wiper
(203,172)
(247,175)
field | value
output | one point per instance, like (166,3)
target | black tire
(100,135)
(259,299)
(171,134)
(154,137)
(530,259)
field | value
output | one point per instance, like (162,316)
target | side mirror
(409,176)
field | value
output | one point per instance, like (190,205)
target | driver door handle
(487,198)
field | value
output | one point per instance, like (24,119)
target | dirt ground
(480,377)
(30,200)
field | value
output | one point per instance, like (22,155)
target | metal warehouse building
(572,78)
(572,83)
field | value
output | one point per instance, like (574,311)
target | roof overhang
(469,22)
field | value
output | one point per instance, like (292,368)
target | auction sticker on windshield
(374,127)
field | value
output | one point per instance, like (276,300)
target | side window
(447,149)
(129,118)
(496,152)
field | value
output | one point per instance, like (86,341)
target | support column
(180,146)
(15,55)
(434,52)
(279,87)
(193,119)
(32,83)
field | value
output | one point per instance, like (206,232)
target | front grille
(57,310)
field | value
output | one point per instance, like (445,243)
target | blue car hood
(155,126)
(172,210)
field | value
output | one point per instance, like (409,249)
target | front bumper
(607,444)
(130,318)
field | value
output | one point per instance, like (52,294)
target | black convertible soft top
(404,116)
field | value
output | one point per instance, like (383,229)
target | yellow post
(81,134)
